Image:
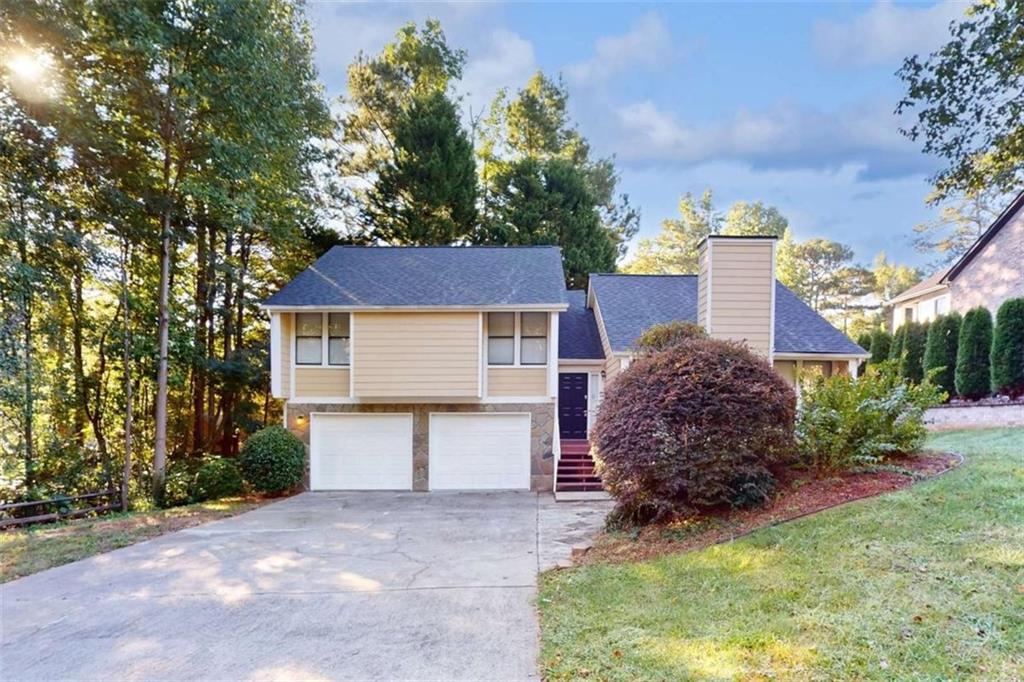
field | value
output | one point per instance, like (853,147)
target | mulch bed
(799,493)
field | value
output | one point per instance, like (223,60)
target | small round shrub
(974,347)
(881,340)
(697,425)
(940,352)
(1008,349)
(179,483)
(662,336)
(273,460)
(217,478)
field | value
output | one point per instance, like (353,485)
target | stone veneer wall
(974,416)
(542,427)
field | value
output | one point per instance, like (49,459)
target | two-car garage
(374,451)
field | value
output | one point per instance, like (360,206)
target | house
(455,368)
(990,272)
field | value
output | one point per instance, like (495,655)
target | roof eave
(495,307)
(998,224)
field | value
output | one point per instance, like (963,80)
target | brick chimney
(736,290)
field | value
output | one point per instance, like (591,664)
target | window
(501,338)
(337,339)
(311,342)
(908,315)
(533,341)
(517,338)
(942,305)
(309,345)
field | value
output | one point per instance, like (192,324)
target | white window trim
(517,342)
(324,344)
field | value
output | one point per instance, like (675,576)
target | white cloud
(885,33)
(785,135)
(508,63)
(646,43)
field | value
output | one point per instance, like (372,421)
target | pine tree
(1008,349)
(896,347)
(940,351)
(974,348)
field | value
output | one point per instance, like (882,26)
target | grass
(926,583)
(36,548)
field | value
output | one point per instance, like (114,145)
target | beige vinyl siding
(702,286)
(612,364)
(517,381)
(787,370)
(741,292)
(286,353)
(321,382)
(409,355)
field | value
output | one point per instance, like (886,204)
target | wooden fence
(95,504)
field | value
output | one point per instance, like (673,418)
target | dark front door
(572,406)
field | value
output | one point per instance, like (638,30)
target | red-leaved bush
(699,424)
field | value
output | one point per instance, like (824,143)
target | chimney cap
(738,237)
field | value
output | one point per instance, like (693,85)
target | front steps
(576,478)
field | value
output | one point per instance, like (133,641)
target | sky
(791,104)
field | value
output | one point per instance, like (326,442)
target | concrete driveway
(318,586)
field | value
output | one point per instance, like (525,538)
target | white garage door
(472,451)
(360,452)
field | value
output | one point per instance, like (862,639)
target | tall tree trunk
(227,388)
(199,346)
(76,341)
(28,404)
(126,474)
(163,331)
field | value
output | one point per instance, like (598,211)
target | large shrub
(881,341)
(974,347)
(179,482)
(273,460)
(662,336)
(940,351)
(216,478)
(845,422)
(896,347)
(1008,349)
(699,424)
(915,335)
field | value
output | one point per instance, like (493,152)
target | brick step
(574,449)
(575,455)
(576,471)
(579,480)
(579,488)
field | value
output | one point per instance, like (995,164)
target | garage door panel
(361,452)
(480,451)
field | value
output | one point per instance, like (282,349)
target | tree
(426,194)
(892,279)
(549,202)
(958,226)
(881,340)
(535,124)
(966,98)
(674,250)
(912,357)
(821,273)
(1008,348)
(940,351)
(974,347)
(896,347)
(418,63)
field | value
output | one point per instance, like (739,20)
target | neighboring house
(990,272)
(454,368)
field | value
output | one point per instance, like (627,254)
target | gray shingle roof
(631,303)
(428,276)
(578,338)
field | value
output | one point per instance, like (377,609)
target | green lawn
(25,551)
(926,583)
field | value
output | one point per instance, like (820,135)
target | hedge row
(968,357)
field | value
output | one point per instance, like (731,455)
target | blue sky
(789,103)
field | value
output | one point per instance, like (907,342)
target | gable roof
(1016,205)
(578,338)
(428,277)
(931,283)
(631,303)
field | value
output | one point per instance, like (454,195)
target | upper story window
(322,335)
(942,305)
(517,338)
(908,314)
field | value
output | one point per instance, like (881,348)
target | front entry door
(572,406)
